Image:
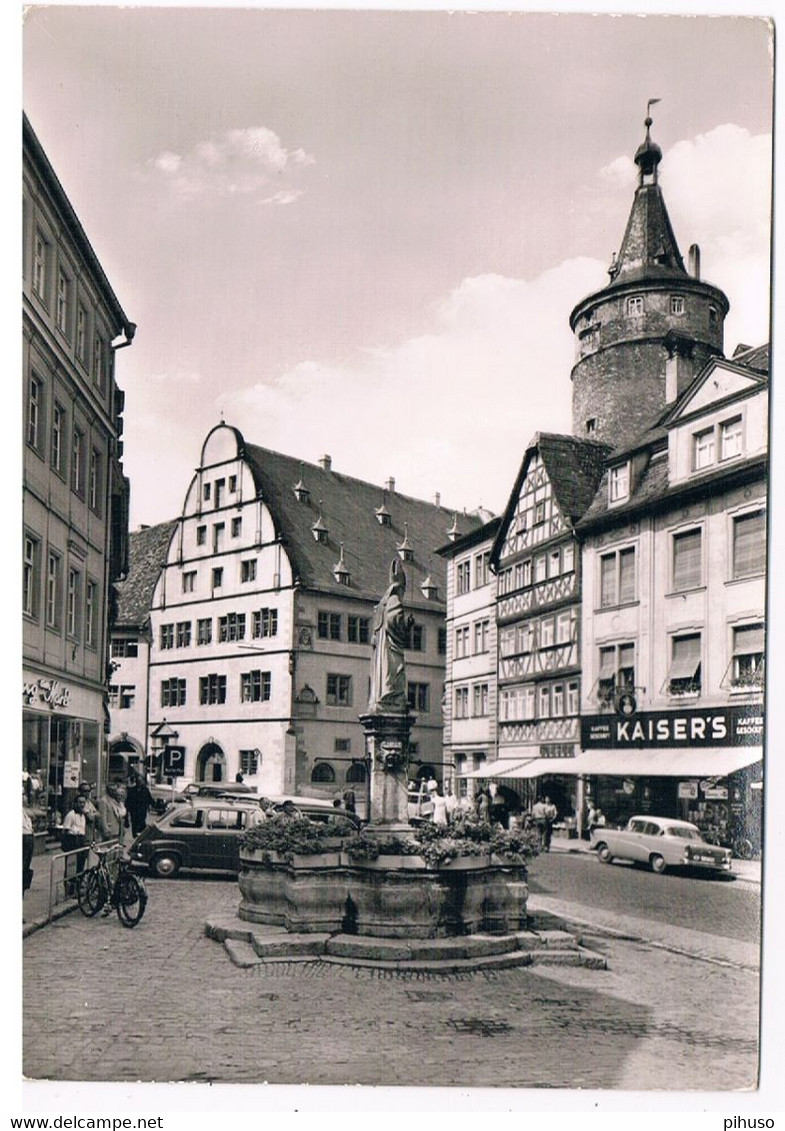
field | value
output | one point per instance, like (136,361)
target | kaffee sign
(707,726)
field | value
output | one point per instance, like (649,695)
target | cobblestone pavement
(658,1018)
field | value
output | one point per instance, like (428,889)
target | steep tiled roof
(756,357)
(147,553)
(574,466)
(348,508)
(652,484)
(482,534)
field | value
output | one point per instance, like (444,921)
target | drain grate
(479,1026)
(428,995)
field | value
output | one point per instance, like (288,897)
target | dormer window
(301,492)
(703,449)
(634,305)
(383,516)
(619,483)
(724,441)
(730,438)
(340,570)
(405,551)
(319,530)
(429,589)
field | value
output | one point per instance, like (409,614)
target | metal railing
(62,875)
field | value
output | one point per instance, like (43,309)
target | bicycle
(740,846)
(116,885)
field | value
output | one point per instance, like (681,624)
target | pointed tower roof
(649,247)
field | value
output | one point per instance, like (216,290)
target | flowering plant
(295,835)
(364,847)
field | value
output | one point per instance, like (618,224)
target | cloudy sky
(362,233)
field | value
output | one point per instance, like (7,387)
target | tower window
(635,304)
(677,304)
(591,425)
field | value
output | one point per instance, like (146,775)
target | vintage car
(203,832)
(660,842)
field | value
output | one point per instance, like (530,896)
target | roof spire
(649,154)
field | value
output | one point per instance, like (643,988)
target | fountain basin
(389,897)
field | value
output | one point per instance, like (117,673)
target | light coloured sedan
(660,842)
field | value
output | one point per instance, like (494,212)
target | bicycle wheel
(91,892)
(743,849)
(131,897)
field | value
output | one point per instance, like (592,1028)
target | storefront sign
(71,775)
(558,750)
(688,790)
(717,793)
(49,692)
(720,726)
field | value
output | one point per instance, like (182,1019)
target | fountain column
(387,760)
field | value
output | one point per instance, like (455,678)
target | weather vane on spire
(649,104)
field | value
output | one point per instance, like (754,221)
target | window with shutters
(748,656)
(617,577)
(687,559)
(749,544)
(684,673)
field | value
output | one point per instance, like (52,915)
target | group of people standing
(110,818)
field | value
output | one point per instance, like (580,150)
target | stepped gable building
(470,696)
(130,649)
(74,493)
(536,557)
(655,324)
(673,653)
(261,619)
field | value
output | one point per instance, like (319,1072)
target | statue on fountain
(391,628)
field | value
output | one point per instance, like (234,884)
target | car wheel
(604,854)
(657,863)
(165,866)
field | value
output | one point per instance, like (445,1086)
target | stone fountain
(392,895)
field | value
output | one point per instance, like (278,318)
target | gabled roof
(348,509)
(731,380)
(752,357)
(147,551)
(573,465)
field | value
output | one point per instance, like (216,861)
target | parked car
(203,832)
(660,842)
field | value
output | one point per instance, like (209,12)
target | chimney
(679,369)
(326,463)
(437,499)
(695,261)
(390,485)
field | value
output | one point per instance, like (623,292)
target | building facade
(261,621)
(470,692)
(536,556)
(675,583)
(75,496)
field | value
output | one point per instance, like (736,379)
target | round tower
(642,338)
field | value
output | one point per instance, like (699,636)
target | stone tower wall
(618,379)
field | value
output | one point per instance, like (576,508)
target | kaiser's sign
(720,726)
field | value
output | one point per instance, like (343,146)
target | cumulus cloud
(237,162)
(448,411)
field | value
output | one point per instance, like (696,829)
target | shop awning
(711,762)
(501,768)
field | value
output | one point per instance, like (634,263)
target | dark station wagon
(203,833)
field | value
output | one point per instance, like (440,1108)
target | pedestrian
(75,837)
(110,819)
(90,810)
(483,805)
(550,813)
(452,805)
(497,806)
(138,803)
(349,800)
(432,785)
(439,816)
(28,840)
(239,779)
(539,819)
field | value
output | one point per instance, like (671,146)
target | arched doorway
(211,763)
(125,758)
